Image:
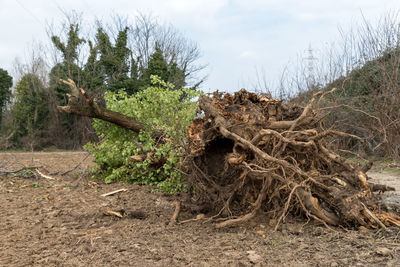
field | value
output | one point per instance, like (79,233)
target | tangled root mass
(250,153)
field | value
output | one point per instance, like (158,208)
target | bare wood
(44,176)
(286,206)
(113,213)
(86,97)
(76,166)
(375,218)
(199,217)
(339,181)
(312,204)
(33,168)
(206,105)
(282,138)
(293,156)
(174,217)
(138,158)
(114,192)
(95,111)
(305,112)
(303,117)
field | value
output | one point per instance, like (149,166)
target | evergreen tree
(68,68)
(93,76)
(88,76)
(5,90)
(116,60)
(158,66)
(31,108)
(70,48)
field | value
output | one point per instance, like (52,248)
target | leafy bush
(160,109)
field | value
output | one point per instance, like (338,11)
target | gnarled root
(250,153)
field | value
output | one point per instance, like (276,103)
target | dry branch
(93,110)
(19,170)
(34,172)
(174,217)
(44,175)
(76,166)
(113,213)
(114,192)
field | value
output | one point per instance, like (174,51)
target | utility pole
(310,66)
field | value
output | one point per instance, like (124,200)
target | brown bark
(93,110)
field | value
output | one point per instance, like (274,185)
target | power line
(30,12)
(89,8)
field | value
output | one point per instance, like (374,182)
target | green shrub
(160,109)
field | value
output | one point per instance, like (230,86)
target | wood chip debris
(113,213)
(114,192)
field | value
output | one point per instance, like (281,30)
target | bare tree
(147,32)
(365,68)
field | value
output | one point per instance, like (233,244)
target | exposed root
(251,153)
(174,217)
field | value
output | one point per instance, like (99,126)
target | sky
(238,38)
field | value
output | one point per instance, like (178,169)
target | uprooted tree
(250,153)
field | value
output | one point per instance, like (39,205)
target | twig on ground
(199,217)
(76,166)
(174,217)
(44,176)
(112,213)
(19,170)
(114,192)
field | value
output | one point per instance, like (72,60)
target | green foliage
(64,70)
(110,65)
(71,129)
(115,61)
(161,110)
(92,73)
(5,92)
(158,66)
(371,78)
(70,48)
(110,62)
(30,109)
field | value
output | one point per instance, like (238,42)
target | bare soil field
(62,222)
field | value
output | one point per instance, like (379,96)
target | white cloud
(235,35)
(247,54)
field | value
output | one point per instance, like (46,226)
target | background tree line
(120,56)
(364,67)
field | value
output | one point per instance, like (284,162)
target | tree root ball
(251,153)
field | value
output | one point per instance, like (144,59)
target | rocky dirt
(61,222)
(388,174)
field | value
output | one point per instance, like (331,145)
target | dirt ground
(61,222)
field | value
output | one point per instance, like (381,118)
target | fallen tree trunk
(251,154)
(93,110)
